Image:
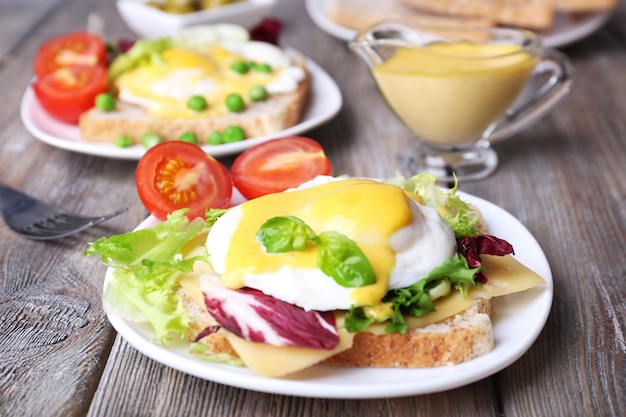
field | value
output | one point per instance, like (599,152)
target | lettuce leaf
(147,265)
(417,299)
(461,217)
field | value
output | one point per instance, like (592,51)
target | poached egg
(402,239)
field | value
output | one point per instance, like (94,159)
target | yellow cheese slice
(278,361)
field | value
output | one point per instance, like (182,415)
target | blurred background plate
(567,27)
(150,22)
(323,103)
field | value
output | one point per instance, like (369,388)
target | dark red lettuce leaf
(267,31)
(473,246)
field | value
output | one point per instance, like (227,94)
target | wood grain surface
(563,178)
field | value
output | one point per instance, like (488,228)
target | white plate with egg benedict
(323,102)
(517,322)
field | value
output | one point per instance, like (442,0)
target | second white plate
(323,102)
(567,28)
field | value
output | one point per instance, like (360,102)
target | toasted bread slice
(454,340)
(534,14)
(359,14)
(272,115)
(579,6)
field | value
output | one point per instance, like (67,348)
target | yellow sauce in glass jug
(449,94)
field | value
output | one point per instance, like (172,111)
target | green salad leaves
(146,268)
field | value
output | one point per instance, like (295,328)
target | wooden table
(564,178)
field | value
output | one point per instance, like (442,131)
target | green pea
(257,93)
(240,67)
(105,102)
(150,139)
(189,137)
(233,134)
(265,68)
(196,103)
(215,138)
(123,141)
(234,103)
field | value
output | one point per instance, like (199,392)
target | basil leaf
(340,258)
(285,234)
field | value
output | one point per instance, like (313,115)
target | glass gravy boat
(459,90)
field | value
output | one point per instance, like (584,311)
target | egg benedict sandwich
(341,271)
(202,81)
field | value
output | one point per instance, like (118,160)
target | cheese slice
(278,361)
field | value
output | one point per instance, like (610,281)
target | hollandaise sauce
(164,86)
(451,93)
(367,212)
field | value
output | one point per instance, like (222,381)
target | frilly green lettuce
(147,265)
(461,217)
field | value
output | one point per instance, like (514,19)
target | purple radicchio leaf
(473,246)
(255,316)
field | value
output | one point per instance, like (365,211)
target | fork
(37,220)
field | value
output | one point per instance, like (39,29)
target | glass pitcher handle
(543,100)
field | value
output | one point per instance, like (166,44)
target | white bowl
(149,22)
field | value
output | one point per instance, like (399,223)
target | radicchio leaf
(473,246)
(255,316)
(268,30)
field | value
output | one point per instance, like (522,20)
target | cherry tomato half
(68,92)
(176,174)
(277,165)
(75,48)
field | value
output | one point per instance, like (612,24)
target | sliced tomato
(68,92)
(174,175)
(75,48)
(279,164)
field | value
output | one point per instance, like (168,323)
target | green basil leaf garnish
(285,234)
(340,258)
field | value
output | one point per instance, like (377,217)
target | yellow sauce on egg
(164,87)
(368,212)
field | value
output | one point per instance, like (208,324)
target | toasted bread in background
(533,14)
(272,115)
(585,5)
(359,14)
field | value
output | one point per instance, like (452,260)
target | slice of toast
(454,340)
(580,6)
(533,14)
(272,115)
(359,14)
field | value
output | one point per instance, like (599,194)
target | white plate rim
(553,38)
(514,334)
(323,102)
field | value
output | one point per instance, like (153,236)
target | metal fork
(37,220)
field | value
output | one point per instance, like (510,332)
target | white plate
(323,102)
(517,321)
(149,22)
(567,28)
